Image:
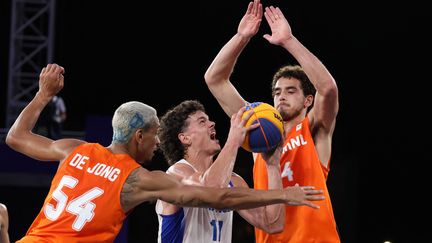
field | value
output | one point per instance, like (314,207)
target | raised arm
(218,74)
(20,136)
(323,114)
(150,186)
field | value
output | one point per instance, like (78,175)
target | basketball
(270,131)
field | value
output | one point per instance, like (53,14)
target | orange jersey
(83,204)
(300,164)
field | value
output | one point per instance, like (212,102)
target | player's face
(202,133)
(288,98)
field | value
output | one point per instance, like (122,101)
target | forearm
(219,71)
(313,67)
(26,121)
(167,188)
(223,65)
(219,173)
(274,176)
(225,198)
(274,215)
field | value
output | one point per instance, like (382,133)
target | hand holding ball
(269,132)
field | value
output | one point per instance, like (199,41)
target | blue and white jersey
(195,225)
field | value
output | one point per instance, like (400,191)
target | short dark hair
(171,124)
(294,71)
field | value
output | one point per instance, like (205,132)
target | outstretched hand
(303,195)
(251,21)
(280,28)
(51,80)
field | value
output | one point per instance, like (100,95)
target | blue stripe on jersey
(173,227)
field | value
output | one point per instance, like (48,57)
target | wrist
(242,38)
(231,144)
(43,97)
(289,42)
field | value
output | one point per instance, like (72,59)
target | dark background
(158,52)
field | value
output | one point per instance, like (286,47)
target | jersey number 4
(81,206)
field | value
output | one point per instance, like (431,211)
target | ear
(308,101)
(184,139)
(138,135)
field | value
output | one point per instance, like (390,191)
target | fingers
(252,127)
(53,68)
(61,80)
(314,192)
(60,69)
(279,13)
(310,190)
(247,116)
(249,9)
(269,15)
(42,72)
(309,204)
(257,8)
(254,7)
(49,67)
(315,198)
(260,11)
(273,14)
(306,187)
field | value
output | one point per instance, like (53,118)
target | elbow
(15,140)
(11,139)
(209,77)
(275,229)
(274,223)
(330,89)
(213,77)
(332,95)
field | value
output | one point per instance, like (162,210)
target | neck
(200,161)
(288,125)
(118,148)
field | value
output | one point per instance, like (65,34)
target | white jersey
(195,225)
